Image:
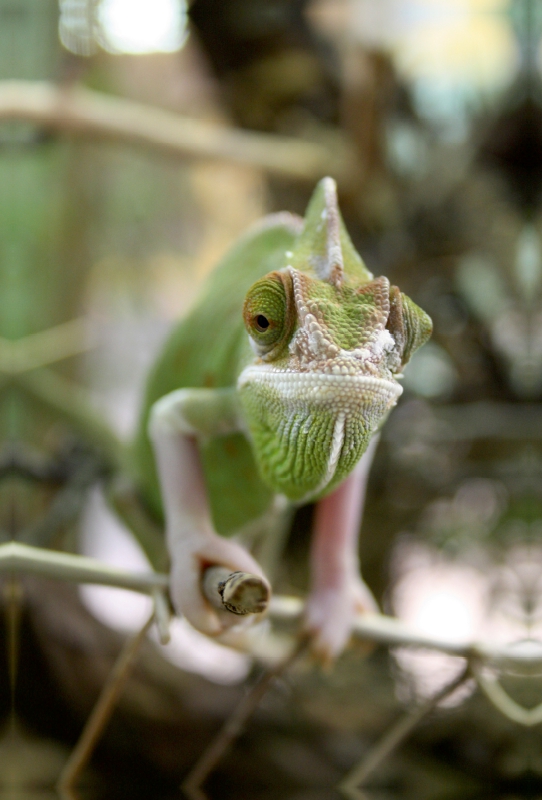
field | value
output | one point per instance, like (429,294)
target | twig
(88,113)
(239,592)
(102,711)
(22,558)
(393,737)
(162,615)
(45,347)
(528,717)
(233,726)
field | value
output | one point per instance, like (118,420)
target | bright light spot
(103,537)
(143,26)
(448,50)
(444,611)
(445,600)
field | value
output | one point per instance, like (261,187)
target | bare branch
(22,558)
(351,784)
(83,112)
(101,714)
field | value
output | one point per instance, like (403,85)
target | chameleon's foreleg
(177,421)
(337,592)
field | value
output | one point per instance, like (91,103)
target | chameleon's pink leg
(192,542)
(337,592)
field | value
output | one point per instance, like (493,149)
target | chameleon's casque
(329,341)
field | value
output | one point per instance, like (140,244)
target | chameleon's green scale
(350,315)
(205,351)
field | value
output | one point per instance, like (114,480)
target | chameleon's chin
(310,429)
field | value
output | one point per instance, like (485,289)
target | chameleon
(267,395)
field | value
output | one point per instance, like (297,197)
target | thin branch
(233,726)
(162,615)
(22,558)
(391,631)
(101,713)
(83,112)
(502,701)
(355,779)
(45,347)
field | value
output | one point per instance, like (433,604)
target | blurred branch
(352,783)
(504,703)
(45,347)
(17,557)
(83,112)
(391,631)
(22,558)
(101,713)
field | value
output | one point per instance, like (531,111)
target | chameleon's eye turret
(408,323)
(268,313)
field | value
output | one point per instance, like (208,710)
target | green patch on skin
(349,315)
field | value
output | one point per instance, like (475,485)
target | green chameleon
(266,395)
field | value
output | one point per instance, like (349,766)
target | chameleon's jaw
(310,429)
(345,393)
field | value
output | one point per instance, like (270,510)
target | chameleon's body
(289,409)
(205,351)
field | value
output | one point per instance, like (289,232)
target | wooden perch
(19,558)
(238,592)
(83,112)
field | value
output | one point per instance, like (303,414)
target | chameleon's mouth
(309,429)
(342,393)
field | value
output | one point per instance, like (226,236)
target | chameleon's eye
(267,312)
(408,323)
(262,323)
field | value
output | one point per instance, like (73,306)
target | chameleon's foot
(330,614)
(192,562)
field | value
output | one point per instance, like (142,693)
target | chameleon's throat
(334,455)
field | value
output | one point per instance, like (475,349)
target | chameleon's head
(329,344)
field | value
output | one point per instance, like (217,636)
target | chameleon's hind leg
(338,593)
(177,421)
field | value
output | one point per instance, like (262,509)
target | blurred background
(428,114)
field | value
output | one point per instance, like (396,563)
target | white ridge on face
(312,389)
(334,456)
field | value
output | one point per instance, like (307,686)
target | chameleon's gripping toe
(330,615)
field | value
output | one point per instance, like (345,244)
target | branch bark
(83,112)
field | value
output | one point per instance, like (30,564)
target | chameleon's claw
(330,616)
